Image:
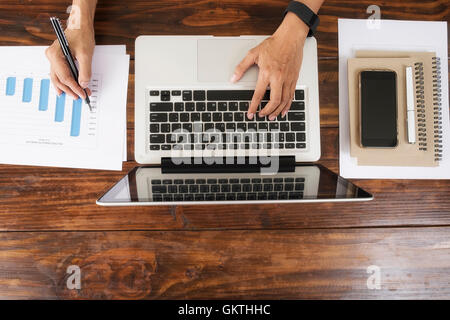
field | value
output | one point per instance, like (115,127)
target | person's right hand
(82,44)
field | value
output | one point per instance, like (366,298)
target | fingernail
(271,118)
(84,85)
(233,78)
(284,114)
(250,116)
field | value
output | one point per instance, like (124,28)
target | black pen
(66,51)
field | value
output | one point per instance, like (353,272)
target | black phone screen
(378,94)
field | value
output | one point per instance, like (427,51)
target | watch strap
(304,13)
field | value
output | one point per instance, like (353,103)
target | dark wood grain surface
(49,220)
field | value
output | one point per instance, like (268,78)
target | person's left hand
(279,59)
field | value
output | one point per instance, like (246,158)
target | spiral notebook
(427,151)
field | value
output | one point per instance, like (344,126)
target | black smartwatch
(305,14)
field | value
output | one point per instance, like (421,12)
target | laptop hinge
(228,165)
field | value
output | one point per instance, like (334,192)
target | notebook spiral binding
(420,105)
(437,102)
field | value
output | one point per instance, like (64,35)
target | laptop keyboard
(217,120)
(227,189)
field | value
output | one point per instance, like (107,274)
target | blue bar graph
(27,90)
(43,97)
(10,86)
(60,106)
(76,118)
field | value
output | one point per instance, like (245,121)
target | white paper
(358,34)
(31,136)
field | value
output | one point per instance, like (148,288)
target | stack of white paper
(39,128)
(358,34)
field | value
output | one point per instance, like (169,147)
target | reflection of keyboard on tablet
(233,188)
(192,119)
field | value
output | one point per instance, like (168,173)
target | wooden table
(49,220)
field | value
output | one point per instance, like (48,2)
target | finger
(243,66)
(276,91)
(60,87)
(287,107)
(260,91)
(65,76)
(85,72)
(285,103)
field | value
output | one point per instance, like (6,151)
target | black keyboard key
(238,116)
(230,126)
(284,126)
(176,127)
(204,188)
(187,95)
(300,180)
(299,187)
(243,106)
(300,145)
(154,128)
(178,197)
(233,106)
(247,187)
(299,95)
(225,188)
(157,138)
(262,196)
(210,197)
(211,181)
(200,106)
(256,180)
(220,126)
(187,127)
(176,93)
(199,197)
(156,181)
(195,116)
(298,105)
(228,116)
(296,116)
(190,106)
(290,137)
(298,126)
(282,195)
(217,117)
(159,189)
(257,187)
(274,126)
(268,187)
(184,117)
(240,196)
(289,186)
(220,197)
(193,188)
(231,196)
(223,106)
(167,181)
(179,106)
(154,93)
(158,117)
(236,188)
(289,145)
(215,188)
(167,197)
(295,195)
(301,137)
(242,126)
(173,117)
(251,196)
(278,187)
(206,117)
(154,147)
(272,196)
(221,181)
(188,197)
(199,95)
(165,127)
(233,95)
(211,106)
(252,126)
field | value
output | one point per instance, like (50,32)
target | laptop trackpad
(217,59)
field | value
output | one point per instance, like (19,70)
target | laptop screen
(307,183)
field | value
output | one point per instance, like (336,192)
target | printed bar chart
(10,86)
(43,98)
(60,108)
(76,118)
(27,90)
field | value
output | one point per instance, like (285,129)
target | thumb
(243,66)
(85,72)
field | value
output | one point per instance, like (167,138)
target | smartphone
(378,108)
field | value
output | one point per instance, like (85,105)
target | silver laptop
(191,122)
